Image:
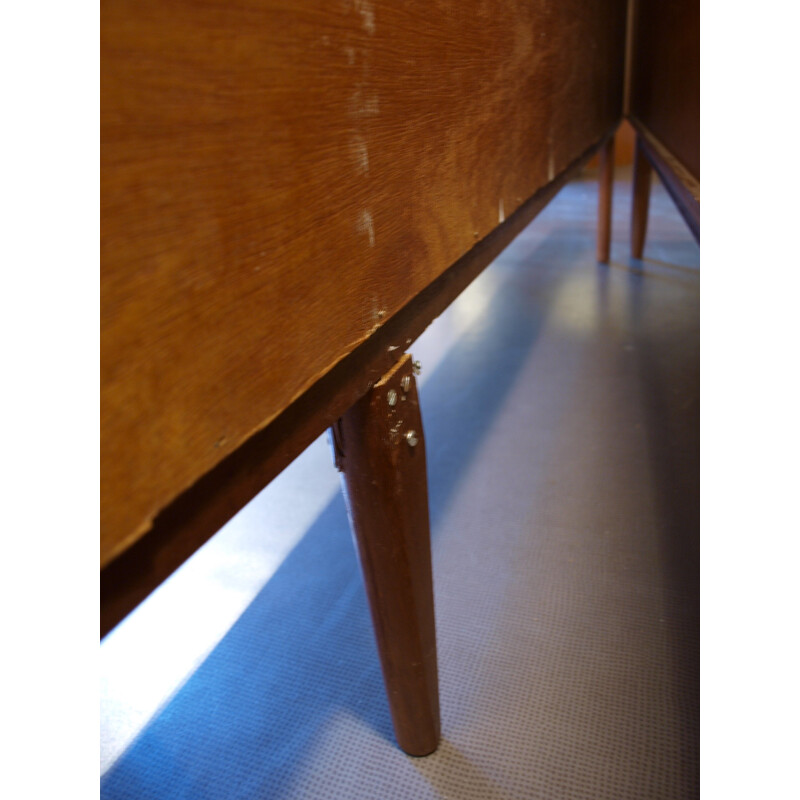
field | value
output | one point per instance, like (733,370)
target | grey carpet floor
(561,411)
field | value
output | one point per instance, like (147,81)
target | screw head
(411,438)
(392,397)
(406,382)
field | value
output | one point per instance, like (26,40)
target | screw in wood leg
(380,448)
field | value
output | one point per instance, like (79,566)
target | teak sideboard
(290,193)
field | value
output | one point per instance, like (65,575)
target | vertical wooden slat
(605,192)
(641,199)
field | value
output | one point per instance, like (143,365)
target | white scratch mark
(358,152)
(351,55)
(501,214)
(376,314)
(365,226)
(393,347)
(364,7)
(364,103)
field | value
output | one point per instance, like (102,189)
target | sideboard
(290,193)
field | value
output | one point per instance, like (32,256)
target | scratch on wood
(358,151)
(364,103)
(364,7)
(365,225)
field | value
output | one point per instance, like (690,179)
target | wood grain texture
(665,76)
(386,485)
(199,512)
(279,179)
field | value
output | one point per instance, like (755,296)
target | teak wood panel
(665,76)
(279,179)
(199,512)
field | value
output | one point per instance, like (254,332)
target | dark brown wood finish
(640,204)
(604,200)
(278,180)
(205,507)
(663,104)
(665,76)
(380,448)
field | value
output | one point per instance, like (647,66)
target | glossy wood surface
(665,76)
(380,448)
(208,504)
(280,179)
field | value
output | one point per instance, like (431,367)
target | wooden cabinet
(291,192)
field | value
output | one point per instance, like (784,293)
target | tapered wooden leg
(380,449)
(605,189)
(641,199)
